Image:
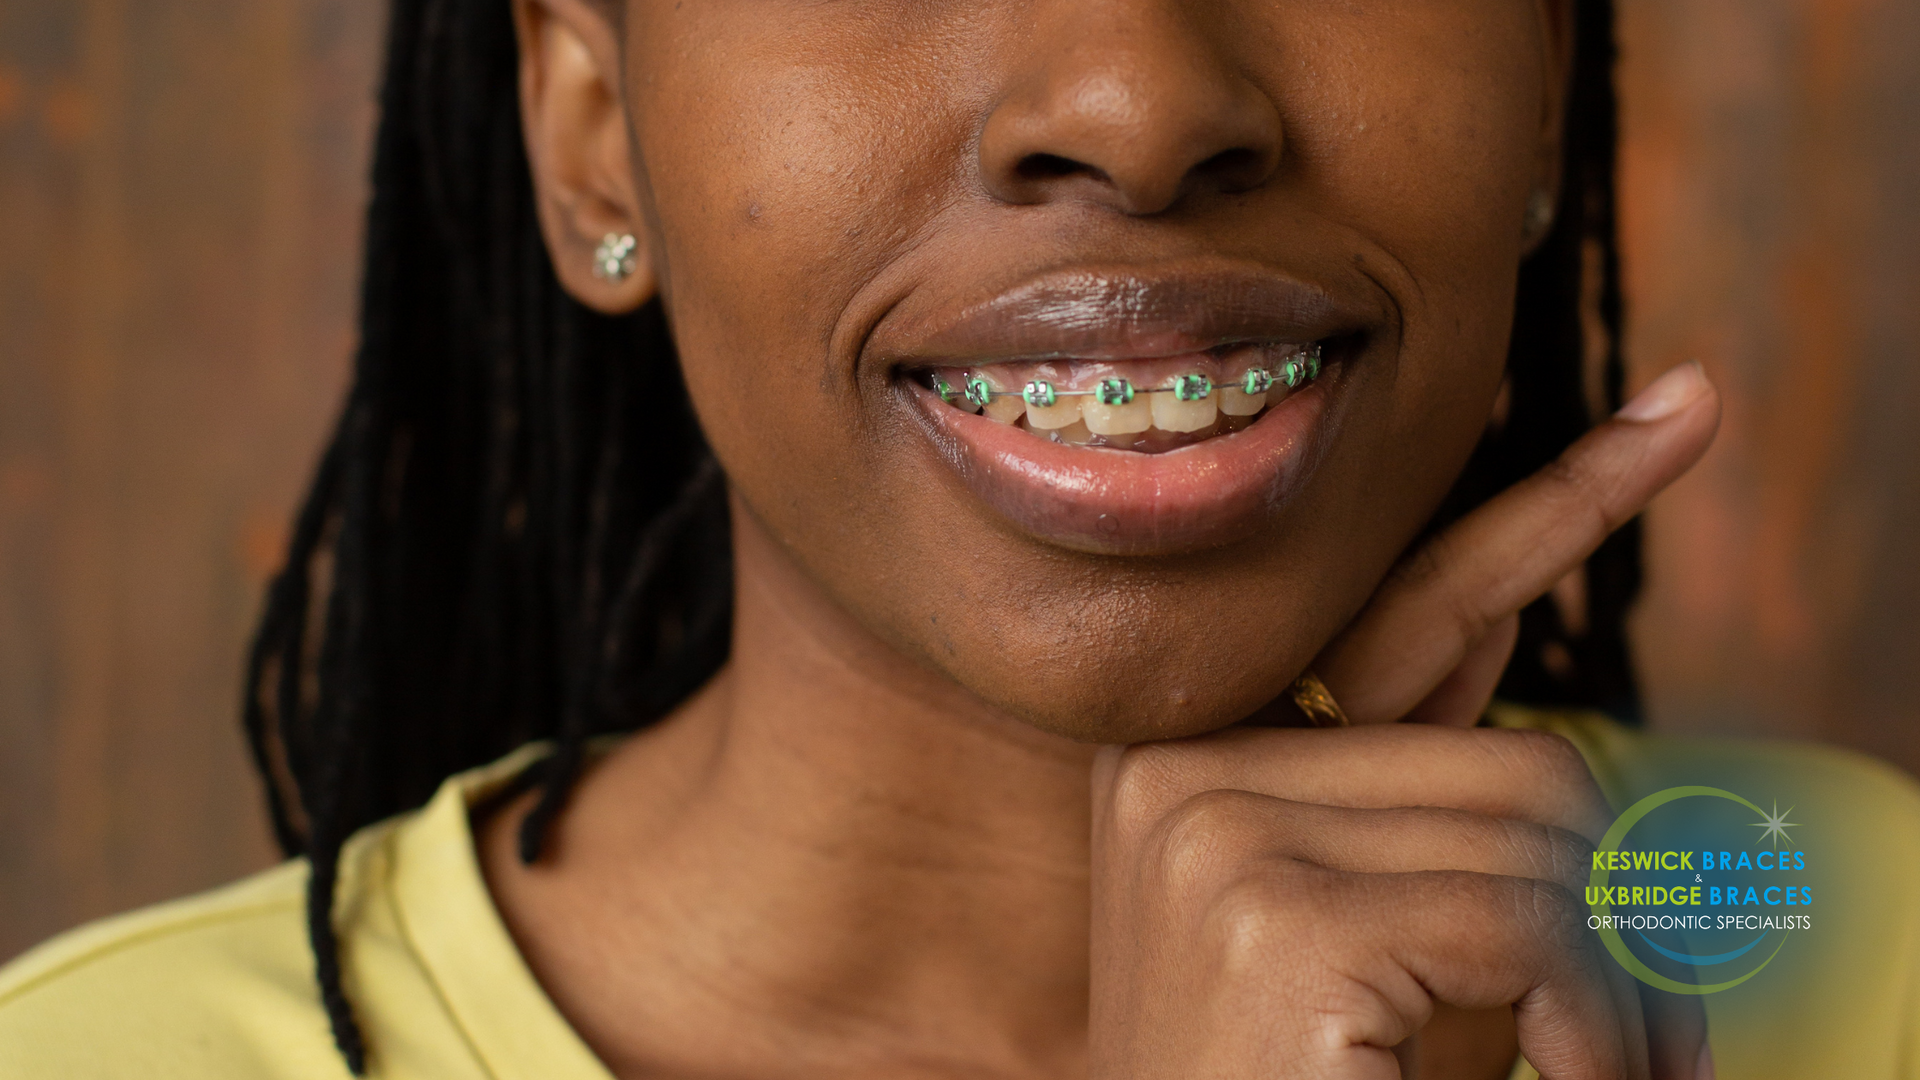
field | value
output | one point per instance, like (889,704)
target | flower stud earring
(1540,213)
(613,260)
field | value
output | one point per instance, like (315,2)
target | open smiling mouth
(1132,411)
(1146,406)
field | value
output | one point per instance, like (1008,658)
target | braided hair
(516,535)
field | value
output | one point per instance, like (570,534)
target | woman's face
(848,201)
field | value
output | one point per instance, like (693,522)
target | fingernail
(1667,394)
(1704,1071)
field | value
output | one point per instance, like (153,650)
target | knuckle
(1260,918)
(1424,565)
(1430,570)
(1198,837)
(1571,853)
(1145,780)
(1469,620)
(1556,854)
(1562,769)
(1555,913)
(1567,476)
(1219,857)
(1585,494)
(1553,756)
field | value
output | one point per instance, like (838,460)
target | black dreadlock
(1570,658)
(517,542)
(520,532)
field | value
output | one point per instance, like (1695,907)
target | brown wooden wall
(1772,228)
(180,185)
(180,192)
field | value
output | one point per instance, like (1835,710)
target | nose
(1132,104)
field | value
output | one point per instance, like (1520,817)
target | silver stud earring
(613,260)
(1540,212)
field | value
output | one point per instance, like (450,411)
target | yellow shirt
(220,986)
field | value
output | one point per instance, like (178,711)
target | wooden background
(180,189)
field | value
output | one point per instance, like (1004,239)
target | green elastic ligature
(1294,372)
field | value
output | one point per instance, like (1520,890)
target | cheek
(1424,125)
(786,160)
(788,151)
(1423,130)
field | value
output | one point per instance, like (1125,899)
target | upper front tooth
(1065,410)
(1129,419)
(1172,414)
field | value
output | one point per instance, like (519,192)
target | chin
(1092,705)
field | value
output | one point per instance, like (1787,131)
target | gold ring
(1314,699)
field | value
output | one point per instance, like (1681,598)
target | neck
(831,850)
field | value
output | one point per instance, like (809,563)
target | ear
(1557,35)
(575,119)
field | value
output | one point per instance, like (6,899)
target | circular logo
(1698,897)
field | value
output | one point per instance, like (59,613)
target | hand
(1286,902)
(1431,644)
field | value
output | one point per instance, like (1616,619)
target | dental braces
(1040,393)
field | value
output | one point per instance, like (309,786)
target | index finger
(1444,597)
(1513,774)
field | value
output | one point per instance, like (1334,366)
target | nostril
(1036,167)
(1238,169)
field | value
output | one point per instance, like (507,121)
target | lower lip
(1123,502)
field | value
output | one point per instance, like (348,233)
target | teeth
(1172,414)
(1130,419)
(1186,404)
(952,395)
(1063,412)
(1237,402)
(1007,410)
(1074,434)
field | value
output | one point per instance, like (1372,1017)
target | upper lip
(1117,314)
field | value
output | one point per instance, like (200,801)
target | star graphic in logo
(1776,825)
